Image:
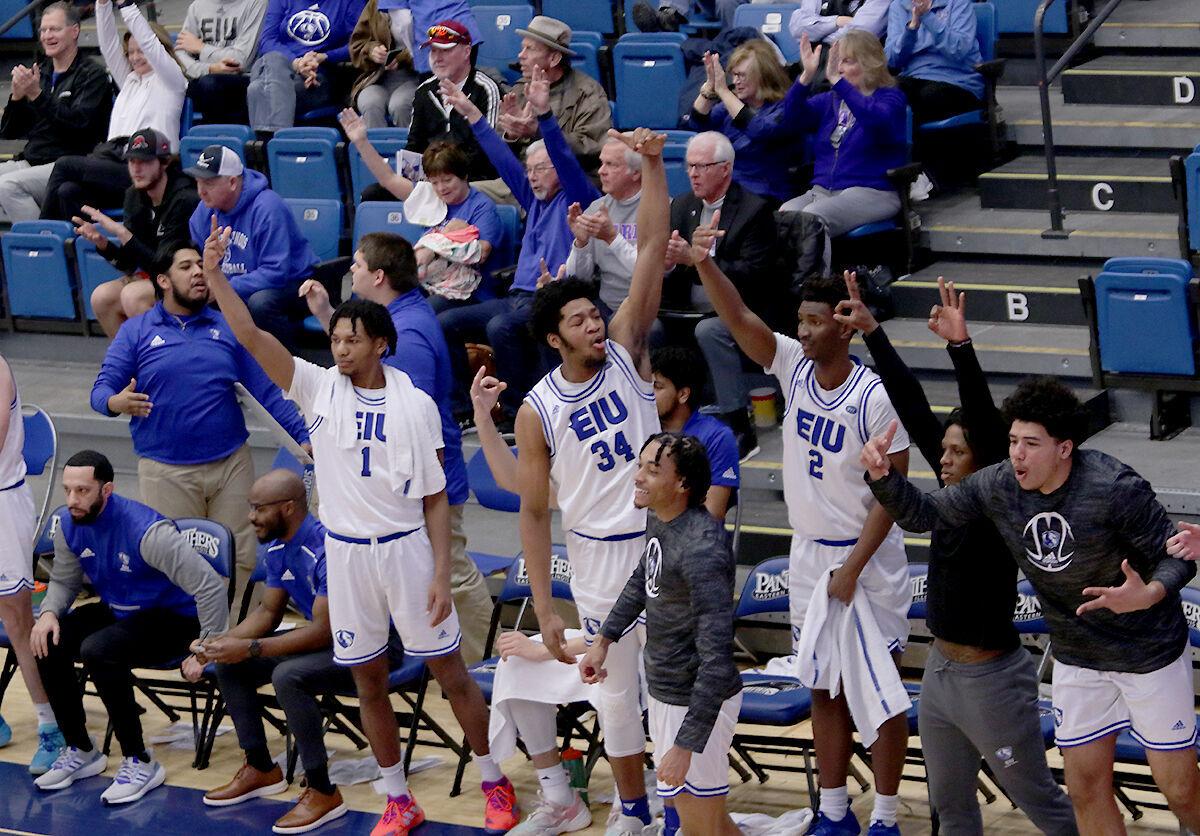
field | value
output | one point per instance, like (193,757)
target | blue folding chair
(320,219)
(303,162)
(40,453)
(39,273)
(384,216)
(387,141)
(647,73)
(501,43)
(1144,317)
(771,20)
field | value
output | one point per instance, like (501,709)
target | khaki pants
(217,491)
(469,589)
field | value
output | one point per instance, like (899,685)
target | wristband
(712,97)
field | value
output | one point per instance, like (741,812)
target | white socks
(45,714)
(886,808)
(555,786)
(835,802)
(488,771)
(393,779)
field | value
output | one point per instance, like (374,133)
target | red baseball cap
(447,34)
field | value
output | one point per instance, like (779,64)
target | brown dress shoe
(248,783)
(311,811)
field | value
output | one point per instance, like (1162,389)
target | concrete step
(1098,126)
(1162,24)
(1101,184)
(1030,293)
(1140,80)
(956,225)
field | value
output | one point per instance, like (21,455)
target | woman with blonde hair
(751,115)
(152,86)
(860,133)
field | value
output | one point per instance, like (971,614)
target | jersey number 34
(605,457)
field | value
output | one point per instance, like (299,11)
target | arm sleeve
(110,43)
(575,182)
(267,393)
(1142,522)
(801,110)
(723,460)
(269,40)
(765,122)
(882,115)
(306,378)
(593,118)
(119,365)
(900,41)
(907,396)
(487,220)
(629,605)
(709,574)
(165,549)
(705,121)
(271,235)
(361,43)
(341,53)
(808,19)
(243,48)
(754,254)
(581,262)
(625,252)
(955,505)
(505,161)
(66,577)
(872,16)
(89,101)
(416,358)
(158,56)
(129,256)
(989,433)
(956,38)
(192,67)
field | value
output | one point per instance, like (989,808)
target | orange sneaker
(401,815)
(501,814)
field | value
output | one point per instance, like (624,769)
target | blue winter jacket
(295,27)
(943,48)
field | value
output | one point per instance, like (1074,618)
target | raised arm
(110,43)
(166,68)
(752,335)
(631,323)
(275,360)
(356,132)
(496,149)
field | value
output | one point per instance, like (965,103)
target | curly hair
(825,290)
(1047,401)
(691,463)
(549,301)
(376,322)
(683,366)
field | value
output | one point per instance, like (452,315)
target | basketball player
(684,583)
(18,519)
(833,405)
(377,447)
(579,431)
(1091,537)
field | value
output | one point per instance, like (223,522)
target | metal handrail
(1045,79)
(21,15)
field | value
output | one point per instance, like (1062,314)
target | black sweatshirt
(68,118)
(685,584)
(154,225)
(971,586)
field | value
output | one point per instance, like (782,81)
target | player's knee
(621,720)
(1180,786)
(371,683)
(1088,784)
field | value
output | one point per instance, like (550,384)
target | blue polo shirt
(479,211)
(188,366)
(297,566)
(720,445)
(422,354)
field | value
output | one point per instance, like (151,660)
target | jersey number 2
(815,462)
(620,447)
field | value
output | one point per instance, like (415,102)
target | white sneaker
(630,826)
(134,779)
(70,766)
(549,819)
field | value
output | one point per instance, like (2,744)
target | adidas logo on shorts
(1179,726)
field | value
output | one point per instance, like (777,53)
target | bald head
(278,505)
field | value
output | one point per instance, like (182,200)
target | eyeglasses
(540,169)
(703,166)
(260,505)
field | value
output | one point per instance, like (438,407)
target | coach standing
(173,370)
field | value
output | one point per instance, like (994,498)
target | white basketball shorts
(17,523)
(708,772)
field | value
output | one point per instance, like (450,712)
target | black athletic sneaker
(747,441)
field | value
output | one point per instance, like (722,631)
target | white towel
(549,682)
(841,648)
(413,464)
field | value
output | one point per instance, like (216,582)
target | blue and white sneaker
(822,825)
(5,733)
(70,766)
(878,828)
(134,779)
(50,745)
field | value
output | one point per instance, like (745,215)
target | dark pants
(110,649)
(504,325)
(932,101)
(281,312)
(76,182)
(220,99)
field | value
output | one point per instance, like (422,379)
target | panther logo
(1053,544)
(309,26)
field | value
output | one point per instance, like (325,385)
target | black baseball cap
(147,144)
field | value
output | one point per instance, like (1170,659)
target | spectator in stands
(578,102)
(297,663)
(385,271)
(826,21)
(60,108)
(156,596)
(157,208)
(752,115)
(173,370)
(300,42)
(932,43)
(667,17)
(215,45)
(860,128)
(745,251)
(678,378)
(387,81)
(152,87)
(450,50)
(268,256)
(605,245)
(446,170)
(550,181)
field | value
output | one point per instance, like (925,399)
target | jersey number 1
(366,468)
(620,446)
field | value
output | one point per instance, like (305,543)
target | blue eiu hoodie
(295,27)
(267,249)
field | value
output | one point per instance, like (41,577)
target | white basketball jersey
(823,436)
(594,431)
(353,483)
(12,455)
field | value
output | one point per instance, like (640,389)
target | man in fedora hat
(578,102)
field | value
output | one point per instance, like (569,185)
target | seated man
(298,663)
(550,181)
(157,208)
(156,596)
(215,45)
(268,255)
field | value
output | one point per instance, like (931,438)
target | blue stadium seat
(501,43)
(38,272)
(94,270)
(1015,17)
(387,141)
(772,21)
(504,253)
(303,162)
(384,216)
(192,144)
(243,132)
(674,160)
(647,74)
(320,219)
(589,15)
(587,59)
(1191,168)
(1145,323)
